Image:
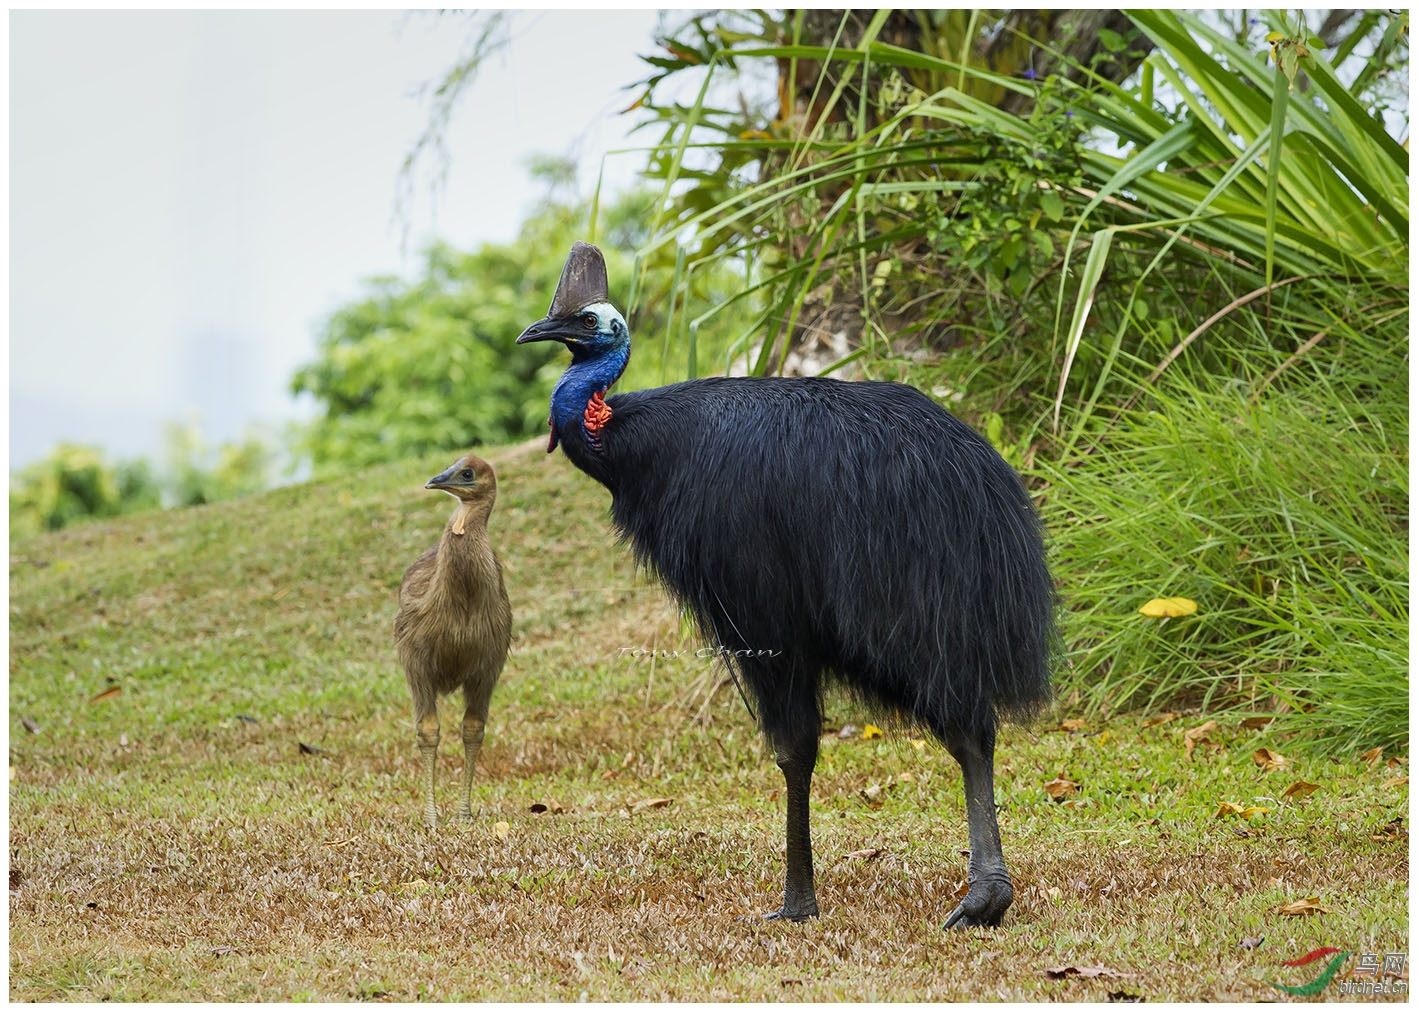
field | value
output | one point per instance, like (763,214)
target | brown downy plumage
(454,623)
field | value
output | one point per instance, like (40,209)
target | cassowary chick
(454,623)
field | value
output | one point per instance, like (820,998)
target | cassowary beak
(545,329)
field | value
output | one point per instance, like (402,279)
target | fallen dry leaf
(501,828)
(1395,781)
(107,694)
(906,776)
(1260,721)
(1372,756)
(1070,971)
(1122,996)
(1254,810)
(553,807)
(1194,737)
(917,743)
(1268,761)
(867,853)
(650,803)
(309,750)
(1392,762)
(1391,831)
(1226,809)
(30,726)
(1168,608)
(1060,788)
(1072,725)
(1159,719)
(1300,790)
(847,731)
(1304,906)
(871,732)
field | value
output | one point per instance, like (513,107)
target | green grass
(168,849)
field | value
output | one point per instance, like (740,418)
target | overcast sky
(192,193)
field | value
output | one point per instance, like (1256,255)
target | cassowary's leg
(426,725)
(990,890)
(789,711)
(475,716)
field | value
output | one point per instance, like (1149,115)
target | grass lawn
(171,839)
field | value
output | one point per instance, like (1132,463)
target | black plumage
(826,532)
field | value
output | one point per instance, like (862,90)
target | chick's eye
(467,473)
(589,320)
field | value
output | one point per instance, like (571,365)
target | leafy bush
(73,483)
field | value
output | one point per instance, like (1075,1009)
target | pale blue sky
(191,193)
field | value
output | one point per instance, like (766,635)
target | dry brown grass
(165,848)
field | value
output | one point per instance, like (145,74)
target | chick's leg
(426,724)
(475,717)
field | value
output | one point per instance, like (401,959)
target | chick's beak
(441,480)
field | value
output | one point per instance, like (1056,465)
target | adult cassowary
(822,532)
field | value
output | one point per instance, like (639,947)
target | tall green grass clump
(1283,517)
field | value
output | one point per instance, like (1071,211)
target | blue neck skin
(591,371)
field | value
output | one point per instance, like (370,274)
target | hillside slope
(213,793)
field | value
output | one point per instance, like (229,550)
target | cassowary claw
(983,907)
(783,914)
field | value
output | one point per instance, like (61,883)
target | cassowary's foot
(984,904)
(465,814)
(795,914)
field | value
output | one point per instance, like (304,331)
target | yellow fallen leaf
(1072,725)
(1060,788)
(1300,790)
(502,828)
(1253,810)
(1168,608)
(1103,737)
(1159,719)
(917,743)
(1304,906)
(905,776)
(871,732)
(1226,809)
(650,803)
(1194,737)
(107,694)
(1268,761)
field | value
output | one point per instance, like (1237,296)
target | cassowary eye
(589,320)
(468,473)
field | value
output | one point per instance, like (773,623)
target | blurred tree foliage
(196,475)
(75,482)
(418,366)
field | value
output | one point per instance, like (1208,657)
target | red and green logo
(1321,980)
